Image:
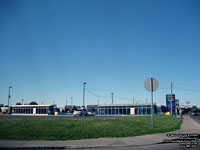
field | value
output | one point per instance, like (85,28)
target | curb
(76,147)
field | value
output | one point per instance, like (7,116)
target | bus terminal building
(121,109)
(32,110)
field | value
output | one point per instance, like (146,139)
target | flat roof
(125,105)
(30,105)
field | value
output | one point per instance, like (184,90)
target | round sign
(151,84)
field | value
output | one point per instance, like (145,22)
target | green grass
(39,129)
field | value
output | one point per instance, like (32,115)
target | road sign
(148,86)
(151,84)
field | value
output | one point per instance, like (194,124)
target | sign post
(151,84)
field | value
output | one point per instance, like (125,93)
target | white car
(91,114)
(80,112)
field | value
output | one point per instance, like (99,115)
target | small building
(4,110)
(121,109)
(32,110)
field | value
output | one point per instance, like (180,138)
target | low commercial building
(121,109)
(32,110)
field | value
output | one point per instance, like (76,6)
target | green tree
(18,103)
(33,103)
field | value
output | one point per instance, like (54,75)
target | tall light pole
(71,101)
(9,94)
(112,97)
(84,93)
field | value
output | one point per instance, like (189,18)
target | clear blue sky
(48,48)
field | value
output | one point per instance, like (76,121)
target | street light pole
(71,101)
(112,97)
(9,94)
(84,93)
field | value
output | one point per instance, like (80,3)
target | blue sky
(48,48)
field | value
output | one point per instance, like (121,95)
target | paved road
(57,117)
(168,146)
(196,118)
(171,146)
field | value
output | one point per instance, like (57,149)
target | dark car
(195,112)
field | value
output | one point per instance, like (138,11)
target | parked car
(91,114)
(80,112)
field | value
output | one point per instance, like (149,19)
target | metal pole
(22,101)
(152,109)
(133,100)
(112,97)
(171,100)
(71,103)
(9,94)
(84,93)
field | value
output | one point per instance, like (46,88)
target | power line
(124,98)
(185,84)
(191,90)
(92,93)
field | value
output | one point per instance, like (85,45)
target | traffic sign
(151,87)
(151,84)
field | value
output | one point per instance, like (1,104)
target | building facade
(121,109)
(32,110)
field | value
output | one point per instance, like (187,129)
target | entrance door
(34,111)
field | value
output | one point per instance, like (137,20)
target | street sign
(148,86)
(151,84)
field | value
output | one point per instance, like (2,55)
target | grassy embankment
(39,129)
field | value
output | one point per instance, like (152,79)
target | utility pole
(71,103)
(112,97)
(171,100)
(22,101)
(133,100)
(146,100)
(66,102)
(84,93)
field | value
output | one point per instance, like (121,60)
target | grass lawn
(39,129)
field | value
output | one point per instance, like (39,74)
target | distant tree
(33,103)
(1,105)
(18,104)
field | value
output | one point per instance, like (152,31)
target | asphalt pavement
(190,131)
(196,118)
